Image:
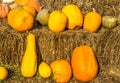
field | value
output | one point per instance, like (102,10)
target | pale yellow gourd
(29,61)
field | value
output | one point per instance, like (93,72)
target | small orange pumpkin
(92,21)
(84,63)
(61,71)
(4,9)
(20,19)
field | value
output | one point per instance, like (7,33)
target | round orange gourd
(84,63)
(61,71)
(30,9)
(20,19)
(33,3)
(92,21)
(57,21)
(74,15)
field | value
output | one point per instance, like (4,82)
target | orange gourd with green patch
(62,71)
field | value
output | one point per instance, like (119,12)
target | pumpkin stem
(93,9)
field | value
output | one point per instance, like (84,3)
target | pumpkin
(92,21)
(29,60)
(57,21)
(4,9)
(61,71)
(84,63)
(44,70)
(30,9)
(22,20)
(109,21)
(74,15)
(3,73)
(33,3)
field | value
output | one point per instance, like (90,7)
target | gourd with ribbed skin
(109,21)
(74,15)
(4,9)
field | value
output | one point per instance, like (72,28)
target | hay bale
(50,45)
(109,53)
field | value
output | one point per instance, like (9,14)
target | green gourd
(109,21)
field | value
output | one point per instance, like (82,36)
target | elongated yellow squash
(29,61)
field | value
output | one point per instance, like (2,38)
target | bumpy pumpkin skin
(92,21)
(84,63)
(20,19)
(74,15)
(62,71)
(29,61)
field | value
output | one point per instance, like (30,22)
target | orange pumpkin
(30,9)
(4,9)
(33,3)
(61,71)
(92,21)
(84,63)
(20,20)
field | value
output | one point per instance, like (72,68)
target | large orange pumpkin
(84,63)
(61,71)
(20,19)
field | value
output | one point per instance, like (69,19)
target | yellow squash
(74,15)
(29,61)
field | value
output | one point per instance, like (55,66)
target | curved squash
(29,61)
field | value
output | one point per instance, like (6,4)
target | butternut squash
(29,61)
